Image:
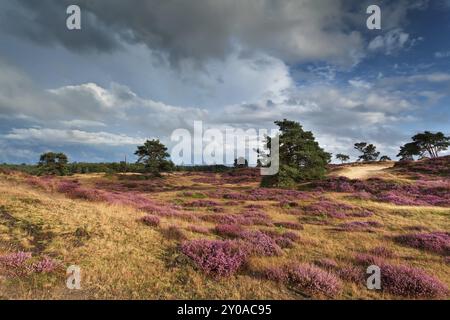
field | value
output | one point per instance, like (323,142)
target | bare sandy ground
(364,171)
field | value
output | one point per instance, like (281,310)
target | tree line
(300,157)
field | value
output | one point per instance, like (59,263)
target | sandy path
(364,171)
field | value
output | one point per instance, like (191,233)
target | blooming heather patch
(19,264)
(232,203)
(202,204)
(435,166)
(241,175)
(410,282)
(215,258)
(150,220)
(289,225)
(229,230)
(352,273)
(437,242)
(260,244)
(382,252)
(46,265)
(75,191)
(291,236)
(330,209)
(198,229)
(15,264)
(277,274)
(367,260)
(269,194)
(326,263)
(361,214)
(283,240)
(307,278)
(284,243)
(46,182)
(421,193)
(257,217)
(359,226)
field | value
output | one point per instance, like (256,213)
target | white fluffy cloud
(61,136)
(391,42)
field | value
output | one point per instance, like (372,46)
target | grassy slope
(123,258)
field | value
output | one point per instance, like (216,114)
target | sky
(140,69)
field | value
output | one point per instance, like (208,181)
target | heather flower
(15,263)
(367,259)
(359,226)
(352,273)
(276,274)
(313,280)
(437,242)
(46,265)
(150,220)
(203,203)
(284,243)
(411,282)
(382,252)
(254,206)
(326,263)
(198,229)
(215,258)
(229,230)
(291,236)
(260,243)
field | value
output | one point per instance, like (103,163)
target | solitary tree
(153,154)
(342,157)
(384,158)
(300,156)
(369,152)
(52,163)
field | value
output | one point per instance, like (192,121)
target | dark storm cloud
(44,22)
(292,30)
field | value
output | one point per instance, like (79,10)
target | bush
(382,252)
(46,265)
(261,244)
(150,220)
(229,230)
(198,229)
(437,242)
(306,278)
(359,226)
(326,263)
(215,258)
(410,282)
(352,274)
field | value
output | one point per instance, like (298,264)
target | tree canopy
(153,154)
(342,157)
(424,143)
(300,156)
(369,152)
(51,163)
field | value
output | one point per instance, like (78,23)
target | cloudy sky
(141,68)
